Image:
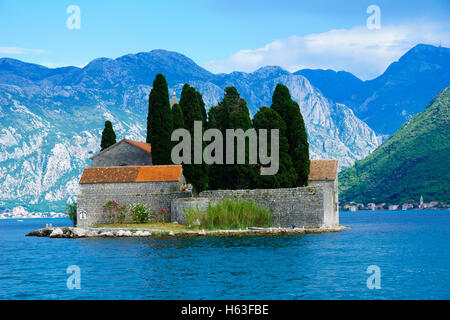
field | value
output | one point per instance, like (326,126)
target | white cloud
(59,65)
(16,50)
(363,52)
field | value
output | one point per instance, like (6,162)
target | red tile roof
(159,173)
(130,174)
(323,170)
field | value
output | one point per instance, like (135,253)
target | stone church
(124,173)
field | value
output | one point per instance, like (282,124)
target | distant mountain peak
(425,52)
(387,101)
(269,71)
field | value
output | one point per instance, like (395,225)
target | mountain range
(388,101)
(51,119)
(413,162)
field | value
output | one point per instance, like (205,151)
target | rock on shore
(72,232)
(65,232)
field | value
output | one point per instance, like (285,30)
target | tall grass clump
(193,217)
(236,214)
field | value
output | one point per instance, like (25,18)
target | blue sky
(224,36)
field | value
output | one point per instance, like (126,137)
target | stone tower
(173,100)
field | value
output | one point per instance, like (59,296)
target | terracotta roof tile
(323,170)
(159,173)
(109,174)
(130,174)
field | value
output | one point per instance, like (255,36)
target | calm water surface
(411,248)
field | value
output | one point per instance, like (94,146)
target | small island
(132,188)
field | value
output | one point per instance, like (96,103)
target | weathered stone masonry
(123,173)
(93,197)
(309,207)
(123,153)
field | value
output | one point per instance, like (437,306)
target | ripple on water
(411,250)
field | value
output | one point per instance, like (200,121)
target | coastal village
(421,205)
(22,213)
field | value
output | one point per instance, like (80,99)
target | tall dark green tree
(191,105)
(286,177)
(289,111)
(108,136)
(160,122)
(231,113)
(177,115)
(202,107)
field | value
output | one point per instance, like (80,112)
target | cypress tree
(202,107)
(218,119)
(231,113)
(177,115)
(302,150)
(191,106)
(289,111)
(108,136)
(286,177)
(160,122)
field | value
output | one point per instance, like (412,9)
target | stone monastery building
(124,173)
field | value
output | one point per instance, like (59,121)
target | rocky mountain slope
(388,101)
(413,162)
(51,119)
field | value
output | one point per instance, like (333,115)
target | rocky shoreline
(73,232)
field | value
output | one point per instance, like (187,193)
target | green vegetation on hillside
(413,162)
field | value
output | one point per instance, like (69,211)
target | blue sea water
(410,248)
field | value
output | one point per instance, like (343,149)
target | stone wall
(123,154)
(333,189)
(93,197)
(309,207)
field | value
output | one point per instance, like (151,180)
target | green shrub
(118,212)
(71,210)
(141,213)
